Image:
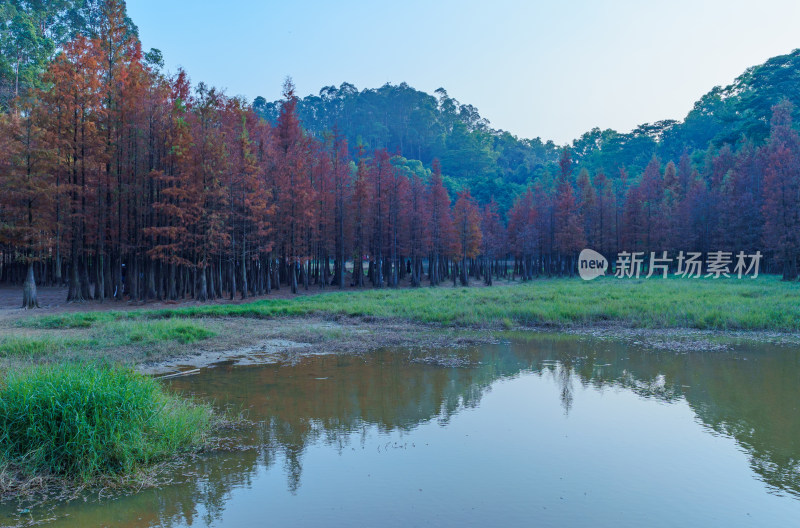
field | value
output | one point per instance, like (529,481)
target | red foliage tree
(467,219)
(493,240)
(569,234)
(26,194)
(442,234)
(782,189)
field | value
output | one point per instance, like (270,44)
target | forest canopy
(122,180)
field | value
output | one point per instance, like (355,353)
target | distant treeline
(494,164)
(124,182)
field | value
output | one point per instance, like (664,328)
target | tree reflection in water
(748,394)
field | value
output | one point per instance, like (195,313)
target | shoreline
(290,338)
(160,346)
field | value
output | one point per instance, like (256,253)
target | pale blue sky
(548,69)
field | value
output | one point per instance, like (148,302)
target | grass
(104,332)
(765,304)
(32,347)
(73,320)
(126,332)
(84,422)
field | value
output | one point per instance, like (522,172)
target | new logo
(591,264)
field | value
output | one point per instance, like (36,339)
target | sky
(536,69)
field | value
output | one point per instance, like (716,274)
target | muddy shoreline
(266,341)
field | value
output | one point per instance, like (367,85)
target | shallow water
(547,431)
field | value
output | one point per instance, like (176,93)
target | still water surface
(546,431)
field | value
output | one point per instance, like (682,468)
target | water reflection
(345,402)
(750,395)
(334,399)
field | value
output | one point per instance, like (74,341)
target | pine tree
(467,219)
(782,189)
(569,234)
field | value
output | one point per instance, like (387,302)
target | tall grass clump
(82,422)
(34,347)
(13,346)
(128,332)
(70,320)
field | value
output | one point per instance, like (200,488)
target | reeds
(84,421)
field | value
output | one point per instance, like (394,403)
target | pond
(542,431)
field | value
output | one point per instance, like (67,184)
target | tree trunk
(75,293)
(244,272)
(151,280)
(119,288)
(789,269)
(172,292)
(293,278)
(202,294)
(29,297)
(83,269)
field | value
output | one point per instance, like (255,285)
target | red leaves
(468,224)
(442,231)
(121,164)
(570,237)
(781,207)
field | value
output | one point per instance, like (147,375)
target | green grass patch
(15,346)
(762,304)
(145,332)
(86,421)
(108,334)
(37,346)
(70,320)
(725,304)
